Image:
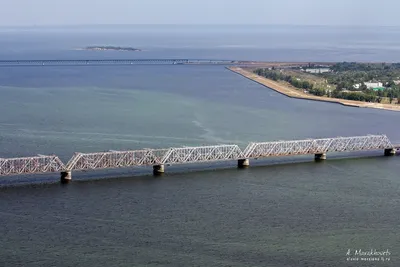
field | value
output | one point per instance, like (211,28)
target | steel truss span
(30,165)
(116,159)
(182,155)
(202,154)
(316,146)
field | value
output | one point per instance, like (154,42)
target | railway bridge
(159,158)
(107,62)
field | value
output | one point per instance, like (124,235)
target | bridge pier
(320,156)
(390,152)
(243,163)
(66,177)
(158,169)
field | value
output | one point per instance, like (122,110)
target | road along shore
(295,93)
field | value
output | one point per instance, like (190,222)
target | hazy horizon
(72,26)
(205,12)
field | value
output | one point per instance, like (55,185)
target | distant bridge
(158,158)
(105,62)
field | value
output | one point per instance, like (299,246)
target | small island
(114,48)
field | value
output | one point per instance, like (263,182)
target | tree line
(342,82)
(279,76)
(294,81)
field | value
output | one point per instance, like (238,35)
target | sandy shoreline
(291,92)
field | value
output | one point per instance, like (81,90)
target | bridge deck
(84,62)
(152,157)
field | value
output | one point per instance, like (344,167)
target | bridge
(106,62)
(158,158)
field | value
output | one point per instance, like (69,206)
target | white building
(322,70)
(369,85)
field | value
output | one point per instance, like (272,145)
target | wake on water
(210,136)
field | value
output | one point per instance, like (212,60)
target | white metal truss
(150,157)
(30,165)
(116,159)
(315,146)
(202,154)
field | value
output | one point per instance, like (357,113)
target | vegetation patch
(369,82)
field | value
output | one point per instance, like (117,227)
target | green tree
(391,84)
(363,87)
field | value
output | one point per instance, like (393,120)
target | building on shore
(370,85)
(319,70)
(348,91)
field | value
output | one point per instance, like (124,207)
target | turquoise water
(129,108)
(279,212)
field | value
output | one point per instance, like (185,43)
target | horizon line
(188,24)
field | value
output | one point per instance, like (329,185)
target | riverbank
(295,93)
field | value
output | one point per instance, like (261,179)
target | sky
(271,12)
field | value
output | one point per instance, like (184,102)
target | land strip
(290,91)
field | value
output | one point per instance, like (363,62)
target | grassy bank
(290,91)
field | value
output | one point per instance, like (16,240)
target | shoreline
(294,93)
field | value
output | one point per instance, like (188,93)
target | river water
(281,212)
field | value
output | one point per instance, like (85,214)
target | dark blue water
(284,214)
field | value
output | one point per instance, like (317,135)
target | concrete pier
(158,169)
(320,156)
(390,152)
(66,177)
(243,163)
